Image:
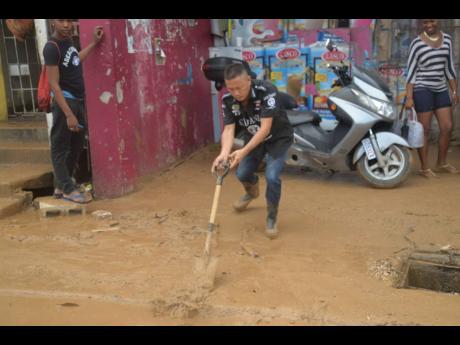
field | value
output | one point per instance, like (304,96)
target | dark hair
(234,70)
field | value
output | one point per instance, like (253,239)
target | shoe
(428,173)
(271,229)
(447,168)
(252,192)
(77,197)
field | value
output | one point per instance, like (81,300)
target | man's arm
(53,78)
(226,146)
(97,36)
(227,139)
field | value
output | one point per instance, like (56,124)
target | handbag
(416,135)
(400,126)
(44,88)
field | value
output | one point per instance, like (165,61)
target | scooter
(362,139)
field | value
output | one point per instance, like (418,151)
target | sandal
(79,198)
(428,173)
(58,193)
(447,168)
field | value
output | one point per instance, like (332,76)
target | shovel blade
(205,272)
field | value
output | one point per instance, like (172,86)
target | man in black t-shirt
(251,111)
(65,75)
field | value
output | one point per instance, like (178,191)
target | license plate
(369,149)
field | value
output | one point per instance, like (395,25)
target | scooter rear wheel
(397,167)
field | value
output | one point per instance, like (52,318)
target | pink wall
(143,116)
(362,43)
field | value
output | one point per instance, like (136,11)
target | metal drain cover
(435,271)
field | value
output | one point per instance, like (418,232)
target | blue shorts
(426,100)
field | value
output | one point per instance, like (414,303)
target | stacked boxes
(289,71)
(255,57)
(296,68)
(320,57)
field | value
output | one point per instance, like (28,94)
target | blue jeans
(248,166)
(66,146)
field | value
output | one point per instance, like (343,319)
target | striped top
(429,67)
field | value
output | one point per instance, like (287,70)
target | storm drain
(432,271)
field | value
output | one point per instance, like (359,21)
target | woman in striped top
(430,70)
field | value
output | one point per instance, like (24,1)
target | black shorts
(426,100)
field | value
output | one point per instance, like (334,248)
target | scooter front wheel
(397,161)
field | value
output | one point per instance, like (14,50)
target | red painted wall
(143,116)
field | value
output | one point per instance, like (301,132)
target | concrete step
(24,152)
(14,203)
(38,116)
(24,131)
(15,177)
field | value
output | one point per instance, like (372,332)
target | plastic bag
(416,135)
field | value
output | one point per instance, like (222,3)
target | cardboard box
(324,77)
(340,35)
(255,57)
(289,70)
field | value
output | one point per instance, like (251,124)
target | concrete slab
(50,206)
(14,204)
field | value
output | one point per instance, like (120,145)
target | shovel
(206,266)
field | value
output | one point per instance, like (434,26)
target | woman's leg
(444,117)
(425,119)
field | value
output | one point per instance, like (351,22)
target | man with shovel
(251,110)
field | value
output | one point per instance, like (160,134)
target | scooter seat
(297,118)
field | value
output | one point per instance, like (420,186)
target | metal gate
(22,71)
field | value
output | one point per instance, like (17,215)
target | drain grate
(432,271)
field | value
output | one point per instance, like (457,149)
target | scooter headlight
(385,109)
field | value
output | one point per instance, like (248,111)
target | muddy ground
(334,263)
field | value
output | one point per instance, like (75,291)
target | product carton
(255,57)
(324,77)
(289,70)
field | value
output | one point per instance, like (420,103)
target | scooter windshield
(372,78)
